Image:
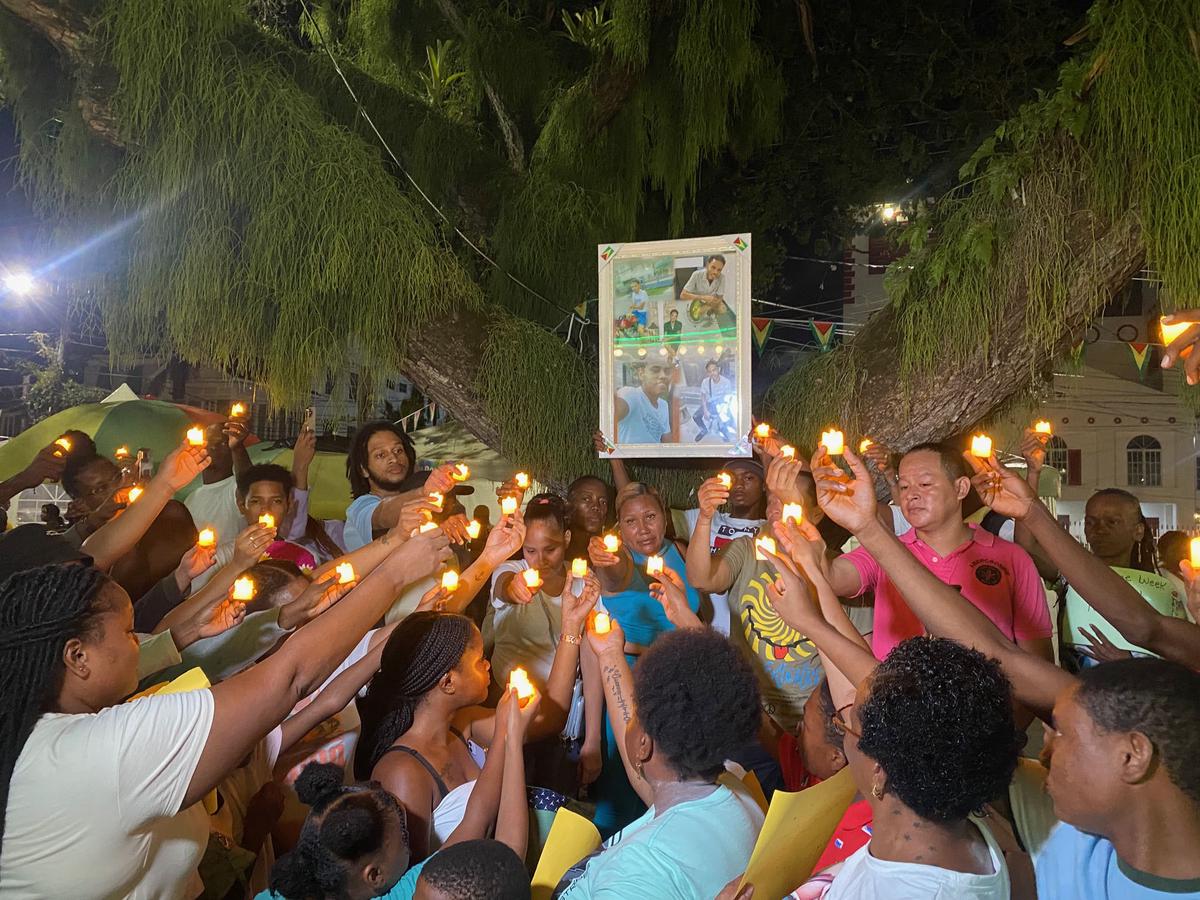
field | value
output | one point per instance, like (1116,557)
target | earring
(876,792)
(640,767)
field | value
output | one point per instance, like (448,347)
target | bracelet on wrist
(571,638)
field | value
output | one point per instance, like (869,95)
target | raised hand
(182,466)
(227,614)
(848,500)
(669,591)
(250,545)
(47,465)
(601,558)
(414,514)
(1001,488)
(506,538)
(575,607)
(880,456)
(781,479)
(804,544)
(518,591)
(433,600)
(420,556)
(600,443)
(317,597)
(1099,647)
(612,641)
(1182,346)
(194,563)
(455,527)
(440,480)
(793,597)
(711,496)
(236,431)
(305,450)
(1033,449)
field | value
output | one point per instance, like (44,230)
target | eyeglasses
(841,722)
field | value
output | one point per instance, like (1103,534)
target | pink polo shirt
(995,575)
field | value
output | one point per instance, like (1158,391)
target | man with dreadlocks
(100,798)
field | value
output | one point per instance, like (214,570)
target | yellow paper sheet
(754,786)
(572,837)
(797,828)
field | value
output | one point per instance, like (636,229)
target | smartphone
(310,419)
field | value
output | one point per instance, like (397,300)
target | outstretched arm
(618,693)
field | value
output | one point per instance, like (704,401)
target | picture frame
(674,323)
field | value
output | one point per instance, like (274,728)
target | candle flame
(762,546)
(195,436)
(654,565)
(533,579)
(207,538)
(449,580)
(345,573)
(602,624)
(474,529)
(238,409)
(793,512)
(726,480)
(243,589)
(1042,427)
(762,430)
(981,446)
(864,445)
(579,568)
(522,480)
(461,472)
(518,680)
(508,506)
(834,442)
(135,492)
(612,543)
(266,520)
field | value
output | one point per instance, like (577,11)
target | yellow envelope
(571,838)
(191,680)
(796,830)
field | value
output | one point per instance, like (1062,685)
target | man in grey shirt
(707,286)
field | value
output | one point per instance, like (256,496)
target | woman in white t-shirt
(101,798)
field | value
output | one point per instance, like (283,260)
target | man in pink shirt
(996,576)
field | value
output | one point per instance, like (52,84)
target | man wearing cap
(742,516)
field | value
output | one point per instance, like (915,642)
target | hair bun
(318,782)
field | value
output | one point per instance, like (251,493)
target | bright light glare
(889,213)
(19,283)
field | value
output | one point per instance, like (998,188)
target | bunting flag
(740,244)
(1141,354)
(823,332)
(762,329)
(581,310)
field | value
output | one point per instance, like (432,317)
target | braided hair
(422,649)
(1144,555)
(40,610)
(345,824)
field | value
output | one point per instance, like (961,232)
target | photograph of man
(640,300)
(672,328)
(705,290)
(648,412)
(718,398)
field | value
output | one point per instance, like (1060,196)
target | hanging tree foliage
(265,228)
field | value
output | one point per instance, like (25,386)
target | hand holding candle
(461,472)
(601,623)
(243,589)
(612,543)
(238,409)
(522,480)
(833,441)
(864,445)
(793,512)
(345,573)
(195,436)
(518,680)
(762,547)
(981,446)
(207,538)
(508,506)
(533,579)
(266,520)
(474,529)
(1042,427)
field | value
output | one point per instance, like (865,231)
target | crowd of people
(1016,714)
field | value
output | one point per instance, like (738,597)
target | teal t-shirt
(1074,865)
(690,852)
(404,889)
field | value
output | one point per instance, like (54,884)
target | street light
(19,283)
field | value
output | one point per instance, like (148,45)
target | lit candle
(519,681)
(533,579)
(762,546)
(461,472)
(834,442)
(238,409)
(787,451)
(266,520)
(437,499)
(654,565)
(207,538)
(726,480)
(579,568)
(428,527)
(508,506)
(135,492)
(195,436)
(522,480)
(864,445)
(243,589)
(602,624)
(1195,553)
(762,431)
(474,529)
(1170,332)
(1042,427)
(345,573)
(981,446)
(449,580)
(65,443)
(612,543)
(793,512)
(122,453)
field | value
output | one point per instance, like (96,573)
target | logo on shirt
(988,574)
(767,634)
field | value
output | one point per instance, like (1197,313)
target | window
(1143,461)
(1056,454)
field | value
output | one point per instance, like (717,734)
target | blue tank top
(641,616)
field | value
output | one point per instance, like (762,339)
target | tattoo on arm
(613,676)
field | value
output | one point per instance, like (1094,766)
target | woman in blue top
(626,591)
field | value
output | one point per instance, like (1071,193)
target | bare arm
(593,715)
(707,572)
(615,570)
(620,473)
(512,820)
(502,542)
(119,535)
(47,465)
(618,693)
(253,702)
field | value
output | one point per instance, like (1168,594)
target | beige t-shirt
(94,803)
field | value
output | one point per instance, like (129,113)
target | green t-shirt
(784,660)
(1156,590)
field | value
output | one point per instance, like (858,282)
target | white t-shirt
(215,506)
(644,423)
(524,635)
(863,877)
(725,529)
(94,804)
